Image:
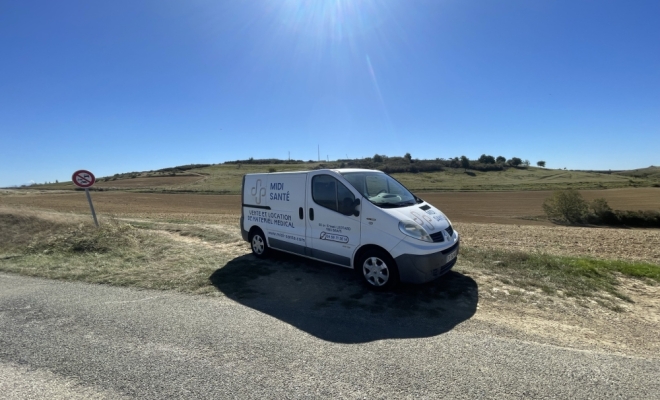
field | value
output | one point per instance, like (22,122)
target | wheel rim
(258,244)
(375,271)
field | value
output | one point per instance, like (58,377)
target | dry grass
(21,225)
(62,246)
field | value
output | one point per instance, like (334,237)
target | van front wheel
(258,244)
(378,270)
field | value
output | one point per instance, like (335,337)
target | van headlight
(415,230)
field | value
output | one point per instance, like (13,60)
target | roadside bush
(566,206)
(602,213)
(642,219)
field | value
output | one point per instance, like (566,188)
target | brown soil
(603,243)
(205,208)
(521,208)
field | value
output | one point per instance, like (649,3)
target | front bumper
(424,268)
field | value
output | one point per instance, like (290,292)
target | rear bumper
(424,268)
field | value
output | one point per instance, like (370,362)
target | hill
(424,175)
(652,173)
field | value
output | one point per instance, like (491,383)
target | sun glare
(334,20)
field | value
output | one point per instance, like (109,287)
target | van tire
(378,269)
(258,244)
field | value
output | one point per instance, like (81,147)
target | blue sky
(119,86)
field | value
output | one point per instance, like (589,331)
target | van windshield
(380,189)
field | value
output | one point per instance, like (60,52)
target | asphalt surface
(74,340)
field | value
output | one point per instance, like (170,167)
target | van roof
(340,170)
(337,170)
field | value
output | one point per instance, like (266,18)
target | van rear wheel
(258,244)
(378,270)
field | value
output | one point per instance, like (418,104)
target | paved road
(72,340)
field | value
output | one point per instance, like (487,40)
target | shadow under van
(329,302)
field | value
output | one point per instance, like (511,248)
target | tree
(566,206)
(500,160)
(514,162)
(408,157)
(484,159)
(378,158)
(525,163)
(541,164)
(465,163)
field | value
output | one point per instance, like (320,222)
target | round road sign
(83,179)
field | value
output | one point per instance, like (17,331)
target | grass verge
(580,277)
(60,246)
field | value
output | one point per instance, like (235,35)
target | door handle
(311,214)
(300,212)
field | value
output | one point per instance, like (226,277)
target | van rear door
(279,205)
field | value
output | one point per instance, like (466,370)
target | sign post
(85,179)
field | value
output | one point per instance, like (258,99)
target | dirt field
(520,208)
(206,208)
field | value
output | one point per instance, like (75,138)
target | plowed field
(522,208)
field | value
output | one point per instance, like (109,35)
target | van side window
(345,199)
(332,194)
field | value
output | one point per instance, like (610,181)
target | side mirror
(349,207)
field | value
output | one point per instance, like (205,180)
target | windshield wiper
(405,203)
(394,205)
(386,205)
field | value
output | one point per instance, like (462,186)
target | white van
(355,218)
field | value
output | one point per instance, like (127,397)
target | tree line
(407,163)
